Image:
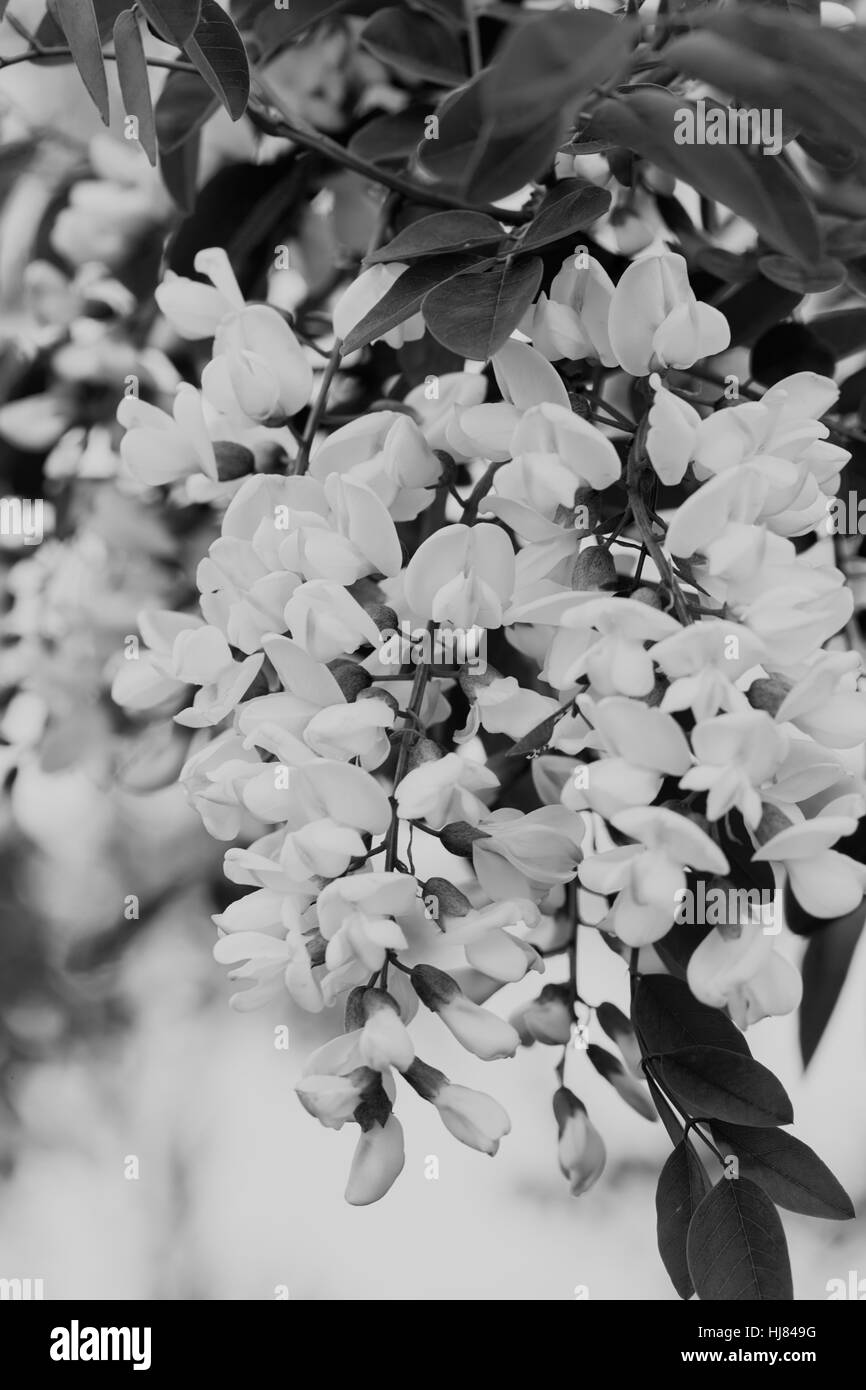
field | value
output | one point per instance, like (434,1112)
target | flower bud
(333,1100)
(593,569)
(385,1040)
(581,1150)
(377,1163)
(550,1018)
(450,902)
(423,750)
(350,677)
(625,1085)
(459,837)
(474,1118)
(384,617)
(618,1028)
(479,1031)
(768,692)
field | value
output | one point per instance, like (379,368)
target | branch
(310,139)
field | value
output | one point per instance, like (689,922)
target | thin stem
(476,61)
(37,55)
(303,459)
(310,139)
(419,685)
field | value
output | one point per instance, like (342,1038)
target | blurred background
(151,1145)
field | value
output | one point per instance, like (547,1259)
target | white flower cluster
(673,693)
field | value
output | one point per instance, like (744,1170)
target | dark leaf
(471,153)
(825,968)
(852,392)
(390,139)
(843,331)
(415,44)
(134,82)
(573,205)
(758,188)
(175,20)
(77,19)
(438,233)
(668,1017)
(736,1246)
(787,348)
(404,298)
(789,1171)
(713,1083)
(554,61)
(756,306)
(816,279)
(667,1115)
(475,314)
(536,739)
(183,106)
(682,1186)
(276,28)
(179,169)
(217,51)
(815,74)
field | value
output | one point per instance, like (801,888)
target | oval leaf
(573,205)
(475,314)
(471,151)
(668,1017)
(736,1246)
(554,60)
(404,298)
(176,20)
(133,77)
(182,107)
(789,1171)
(415,44)
(77,19)
(439,233)
(683,1184)
(758,187)
(217,51)
(715,1084)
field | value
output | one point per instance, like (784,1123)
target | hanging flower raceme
(660,664)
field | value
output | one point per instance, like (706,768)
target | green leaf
(683,1184)
(182,107)
(175,20)
(440,233)
(77,18)
(713,1083)
(553,61)
(404,298)
(757,187)
(736,1246)
(572,205)
(668,1017)
(415,44)
(134,82)
(789,1171)
(476,314)
(217,51)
